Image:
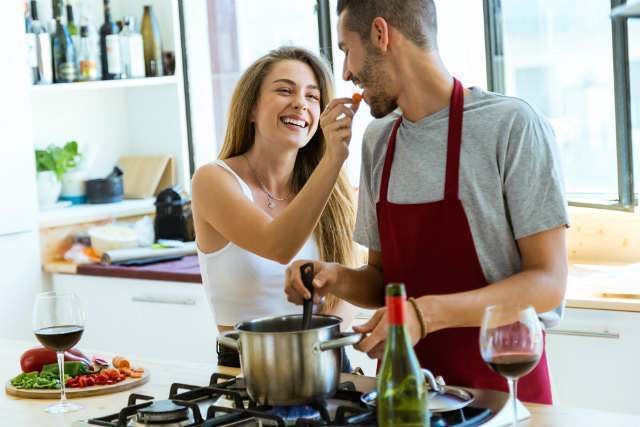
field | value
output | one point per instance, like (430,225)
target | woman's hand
(336,121)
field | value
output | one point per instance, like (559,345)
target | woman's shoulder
(219,175)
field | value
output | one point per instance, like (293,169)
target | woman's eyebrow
(292,83)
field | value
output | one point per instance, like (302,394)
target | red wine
(59,338)
(513,365)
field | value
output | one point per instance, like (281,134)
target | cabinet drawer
(593,358)
(143,318)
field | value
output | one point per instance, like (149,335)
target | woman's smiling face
(288,108)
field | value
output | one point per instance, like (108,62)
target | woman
(278,191)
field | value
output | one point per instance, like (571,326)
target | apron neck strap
(454,142)
(388,160)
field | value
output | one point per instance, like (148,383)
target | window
(242,31)
(565,60)
(634,75)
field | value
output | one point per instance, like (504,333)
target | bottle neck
(396,310)
(107,11)
(34,11)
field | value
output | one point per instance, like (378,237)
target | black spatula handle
(306,272)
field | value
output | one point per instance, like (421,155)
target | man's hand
(377,328)
(325,278)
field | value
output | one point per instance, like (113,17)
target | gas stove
(225,402)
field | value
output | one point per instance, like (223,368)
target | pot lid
(442,398)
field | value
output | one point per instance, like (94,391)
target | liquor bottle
(32,45)
(43,45)
(152,44)
(87,56)
(64,54)
(402,393)
(94,37)
(132,49)
(110,46)
(73,28)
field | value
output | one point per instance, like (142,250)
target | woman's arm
(218,199)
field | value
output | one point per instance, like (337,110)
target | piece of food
(72,369)
(35,358)
(36,380)
(357,97)
(120,362)
(105,377)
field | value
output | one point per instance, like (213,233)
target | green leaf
(58,159)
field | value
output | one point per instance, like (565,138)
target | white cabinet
(144,318)
(594,357)
(19,255)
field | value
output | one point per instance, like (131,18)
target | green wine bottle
(64,54)
(402,393)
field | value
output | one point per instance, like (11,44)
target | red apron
(429,248)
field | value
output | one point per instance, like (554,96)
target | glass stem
(63,394)
(513,392)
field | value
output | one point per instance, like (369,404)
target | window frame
(494,50)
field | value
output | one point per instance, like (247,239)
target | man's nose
(346,73)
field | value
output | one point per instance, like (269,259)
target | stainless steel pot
(284,365)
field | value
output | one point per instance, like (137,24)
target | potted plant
(51,165)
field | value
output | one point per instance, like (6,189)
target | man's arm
(541,283)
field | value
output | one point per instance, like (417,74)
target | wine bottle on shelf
(152,45)
(30,40)
(64,54)
(87,57)
(43,47)
(93,36)
(73,28)
(110,56)
(132,49)
(402,394)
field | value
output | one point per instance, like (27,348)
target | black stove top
(225,402)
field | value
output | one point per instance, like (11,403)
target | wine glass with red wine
(58,323)
(511,343)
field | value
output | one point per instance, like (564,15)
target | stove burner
(292,413)
(204,406)
(162,411)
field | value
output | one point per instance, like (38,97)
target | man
(460,198)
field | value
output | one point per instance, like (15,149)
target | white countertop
(30,412)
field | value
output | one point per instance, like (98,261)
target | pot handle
(225,340)
(349,338)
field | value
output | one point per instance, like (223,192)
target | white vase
(48,188)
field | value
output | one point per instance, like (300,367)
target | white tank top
(241,285)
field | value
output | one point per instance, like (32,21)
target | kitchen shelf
(78,214)
(105,84)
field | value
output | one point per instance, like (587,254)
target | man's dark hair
(415,19)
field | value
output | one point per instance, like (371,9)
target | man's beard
(374,77)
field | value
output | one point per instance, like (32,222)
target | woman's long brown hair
(334,229)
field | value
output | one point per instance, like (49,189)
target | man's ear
(380,34)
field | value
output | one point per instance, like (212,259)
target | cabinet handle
(588,334)
(165,300)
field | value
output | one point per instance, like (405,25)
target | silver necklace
(271,199)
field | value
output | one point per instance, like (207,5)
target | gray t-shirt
(511,183)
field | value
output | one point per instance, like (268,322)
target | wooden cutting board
(95,390)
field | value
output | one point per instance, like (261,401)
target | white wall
(19,255)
